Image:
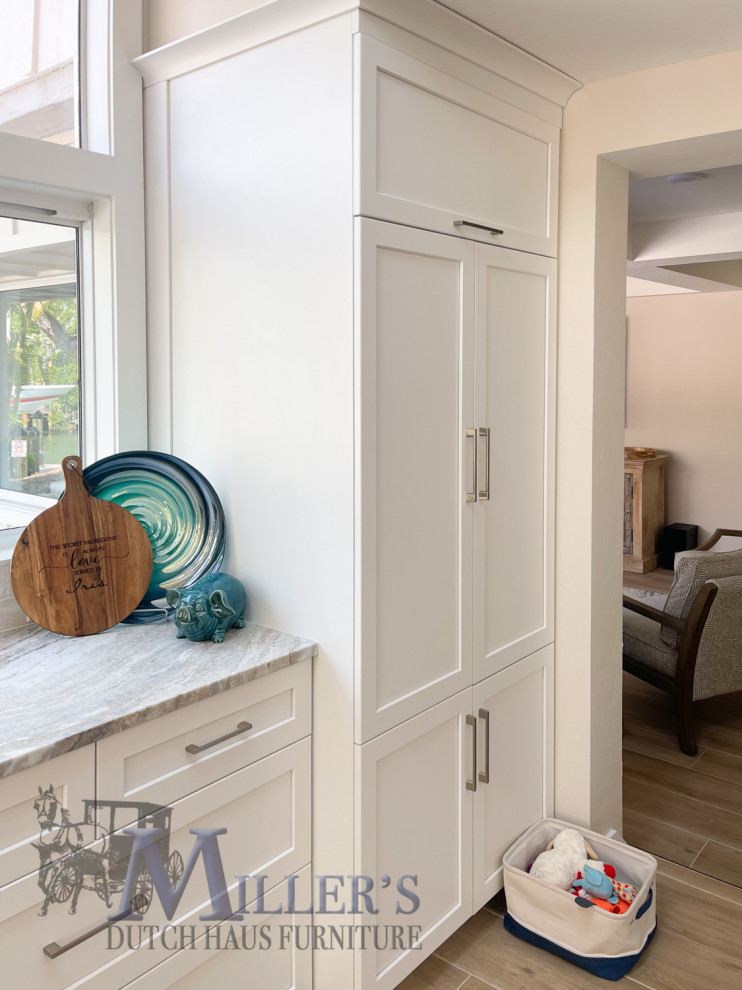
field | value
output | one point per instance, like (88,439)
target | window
(39,78)
(71,251)
(39,360)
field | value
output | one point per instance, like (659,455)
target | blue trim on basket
(606,968)
(645,906)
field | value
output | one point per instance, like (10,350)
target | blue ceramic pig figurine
(208,608)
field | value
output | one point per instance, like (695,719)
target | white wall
(683,395)
(622,118)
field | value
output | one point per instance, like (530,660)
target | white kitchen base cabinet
(443,796)
(414,819)
(266,810)
(265,964)
(257,785)
(154,762)
(515,788)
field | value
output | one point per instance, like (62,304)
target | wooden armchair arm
(715,537)
(671,621)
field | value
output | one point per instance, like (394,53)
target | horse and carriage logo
(92,855)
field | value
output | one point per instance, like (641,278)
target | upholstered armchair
(691,645)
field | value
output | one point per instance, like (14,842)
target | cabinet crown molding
(427,19)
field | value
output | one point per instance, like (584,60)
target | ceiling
(595,39)
(719,191)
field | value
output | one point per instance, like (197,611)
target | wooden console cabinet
(644,511)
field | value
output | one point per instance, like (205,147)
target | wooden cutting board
(83,565)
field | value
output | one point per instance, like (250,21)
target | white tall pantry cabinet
(351,277)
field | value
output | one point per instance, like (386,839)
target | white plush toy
(562,859)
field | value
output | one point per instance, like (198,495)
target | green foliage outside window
(43,350)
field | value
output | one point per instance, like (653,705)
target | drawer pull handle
(471,785)
(53,949)
(241,727)
(479,226)
(484,775)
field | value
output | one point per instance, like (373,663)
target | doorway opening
(682,478)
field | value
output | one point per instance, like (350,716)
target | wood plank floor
(656,580)
(686,811)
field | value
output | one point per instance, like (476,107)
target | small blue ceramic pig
(208,608)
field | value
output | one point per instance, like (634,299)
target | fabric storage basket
(606,944)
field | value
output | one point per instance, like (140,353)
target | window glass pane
(39,69)
(39,362)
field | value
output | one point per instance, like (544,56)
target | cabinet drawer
(265,810)
(71,777)
(433,150)
(270,965)
(151,762)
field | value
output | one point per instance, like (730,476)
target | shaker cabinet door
(414,401)
(515,776)
(413,815)
(435,152)
(514,518)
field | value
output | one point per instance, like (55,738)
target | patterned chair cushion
(692,569)
(642,641)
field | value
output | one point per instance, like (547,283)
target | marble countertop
(58,693)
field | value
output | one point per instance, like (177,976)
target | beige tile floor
(687,811)
(698,945)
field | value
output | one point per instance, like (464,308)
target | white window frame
(101,186)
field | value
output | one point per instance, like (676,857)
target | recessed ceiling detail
(661,199)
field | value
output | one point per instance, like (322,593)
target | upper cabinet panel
(437,153)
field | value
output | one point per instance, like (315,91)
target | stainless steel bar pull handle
(479,226)
(241,727)
(484,494)
(54,949)
(471,785)
(472,495)
(484,775)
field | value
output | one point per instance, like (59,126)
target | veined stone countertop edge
(60,693)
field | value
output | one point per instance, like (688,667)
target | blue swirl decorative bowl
(179,510)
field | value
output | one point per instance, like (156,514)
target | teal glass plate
(179,510)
